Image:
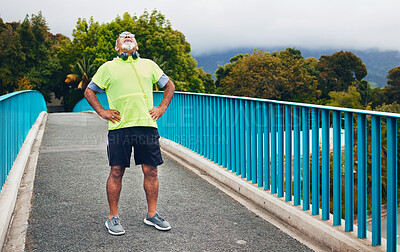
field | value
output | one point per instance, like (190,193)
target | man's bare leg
(150,185)
(114,186)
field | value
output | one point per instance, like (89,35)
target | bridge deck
(69,205)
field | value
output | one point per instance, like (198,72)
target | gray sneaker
(157,222)
(114,226)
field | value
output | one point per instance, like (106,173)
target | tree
(346,99)
(280,76)
(28,56)
(392,91)
(156,40)
(365,91)
(11,60)
(339,71)
(83,72)
(224,71)
(209,84)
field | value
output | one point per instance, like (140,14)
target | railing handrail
(282,145)
(9,95)
(21,110)
(307,105)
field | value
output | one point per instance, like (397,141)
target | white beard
(128,46)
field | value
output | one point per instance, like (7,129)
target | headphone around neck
(125,55)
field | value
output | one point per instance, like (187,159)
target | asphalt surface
(69,205)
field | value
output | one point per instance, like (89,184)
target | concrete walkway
(69,205)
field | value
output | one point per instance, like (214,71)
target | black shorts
(144,140)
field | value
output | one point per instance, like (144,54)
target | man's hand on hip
(110,115)
(157,112)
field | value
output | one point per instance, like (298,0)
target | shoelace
(159,217)
(115,221)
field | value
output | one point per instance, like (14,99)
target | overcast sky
(217,25)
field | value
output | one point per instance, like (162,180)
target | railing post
(223,133)
(362,175)
(185,120)
(260,152)
(207,128)
(273,149)
(8,135)
(288,153)
(296,162)
(229,126)
(391,184)
(253,149)
(202,125)
(237,137)
(315,162)
(242,140)
(212,128)
(349,172)
(218,130)
(325,165)
(306,158)
(2,145)
(376,180)
(280,150)
(266,124)
(195,124)
(337,170)
(248,140)
(180,120)
(232,121)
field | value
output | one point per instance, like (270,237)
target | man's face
(126,42)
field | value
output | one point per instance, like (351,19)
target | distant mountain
(378,62)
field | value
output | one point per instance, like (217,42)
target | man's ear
(116,48)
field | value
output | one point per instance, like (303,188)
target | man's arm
(112,115)
(158,111)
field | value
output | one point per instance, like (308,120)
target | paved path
(69,205)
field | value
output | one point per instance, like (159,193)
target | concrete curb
(327,235)
(9,193)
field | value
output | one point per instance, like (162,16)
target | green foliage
(377,97)
(392,91)
(339,71)
(156,40)
(365,91)
(223,71)
(209,84)
(28,59)
(346,99)
(280,76)
(11,59)
(83,72)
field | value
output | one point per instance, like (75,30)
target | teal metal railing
(18,112)
(278,146)
(83,105)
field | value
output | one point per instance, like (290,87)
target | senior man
(128,82)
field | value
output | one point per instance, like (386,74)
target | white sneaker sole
(111,232)
(155,225)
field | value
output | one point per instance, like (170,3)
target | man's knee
(117,171)
(149,171)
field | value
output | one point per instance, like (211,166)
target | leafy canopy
(156,40)
(280,75)
(339,71)
(28,56)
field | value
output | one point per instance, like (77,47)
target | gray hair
(116,42)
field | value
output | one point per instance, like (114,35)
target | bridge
(307,170)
